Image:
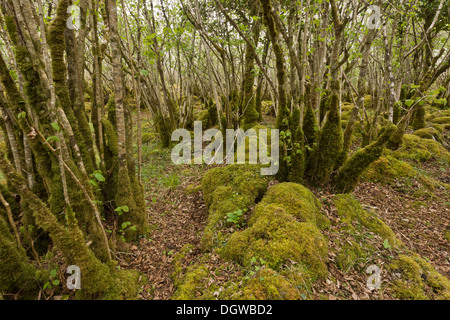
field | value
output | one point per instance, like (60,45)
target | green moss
(436,113)
(310,127)
(296,200)
(227,189)
(57,46)
(351,211)
(349,255)
(194,285)
(17,274)
(429,133)
(130,194)
(330,144)
(348,176)
(278,238)
(421,150)
(419,118)
(441,120)
(269,285)
(387,170)
(100,280)
(177,263)
(438,127)
(192,189)
(405,290)
(447,235)
(418,279)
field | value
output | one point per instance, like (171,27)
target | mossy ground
(417,279)
(352,213)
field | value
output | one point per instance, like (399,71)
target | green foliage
(235,217)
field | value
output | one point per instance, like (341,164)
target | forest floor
(177,216)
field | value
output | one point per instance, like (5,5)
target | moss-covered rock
(277,238)
(177,263)
(225,190)
(387,170)
(421,150)
(441,120)
(269,285)
(417,279)
(352,212)
(283,228)
(429,133)
(437,113)
(296,200)
(192,286)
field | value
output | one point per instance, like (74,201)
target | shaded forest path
(176,217)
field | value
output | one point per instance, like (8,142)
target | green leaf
(55,282)
(93,183)
(125,209)
(21,115)
(53,138)
(99,177)
(409,103)
(53,273)
(55,126)
(125,224)
(386,244)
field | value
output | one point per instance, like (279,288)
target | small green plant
(96,177)
(124,227)
(235,217)
(122,210)
(52,281)
(171,181)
